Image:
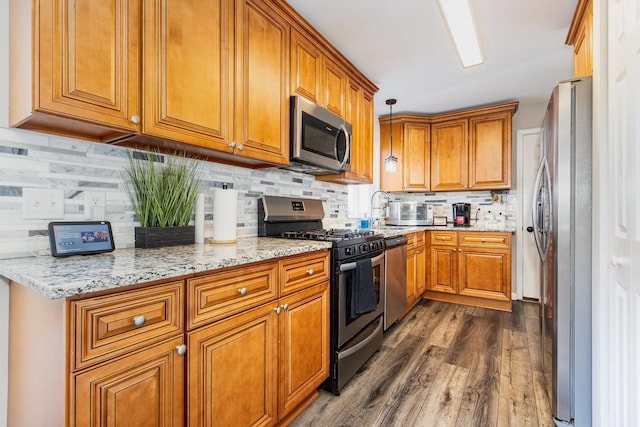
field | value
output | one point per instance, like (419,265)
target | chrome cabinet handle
(139,321)
(240,147)
(181,349)
(242,291)
(278,309)
(310,272)
(135,119)
(232,144)
(285,307)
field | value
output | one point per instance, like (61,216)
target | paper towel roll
(199,218)
(225,208)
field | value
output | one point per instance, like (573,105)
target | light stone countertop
(77,275)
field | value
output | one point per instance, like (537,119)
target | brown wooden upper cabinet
(319,78)
(212,78)
(76,73)
(412,147)
(316,76)
(458,151)
(580,36)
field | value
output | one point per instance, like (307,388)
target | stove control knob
(348,251)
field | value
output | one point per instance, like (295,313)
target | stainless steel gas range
(356,334)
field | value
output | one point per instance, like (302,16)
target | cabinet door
(306,67)
(188,69)
(449,155)
(233,371)
(490,152)
(412,291)
(417,156)
(335,84)
(262,83)
(365,147)
(421,259)
(583,48)
(443,269)
(304,345)
(145,388)
(87,59)
(485,273)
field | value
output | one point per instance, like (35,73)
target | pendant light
(391,162)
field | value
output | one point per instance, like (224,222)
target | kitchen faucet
(381,209)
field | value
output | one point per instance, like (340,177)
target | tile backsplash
(498,203)
(29,159)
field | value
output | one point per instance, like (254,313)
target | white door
(528,260)
(622,290)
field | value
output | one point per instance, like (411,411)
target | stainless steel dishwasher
(395,283)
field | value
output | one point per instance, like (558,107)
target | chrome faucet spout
(382,213)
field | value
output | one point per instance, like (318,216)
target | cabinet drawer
(448,238)
(486,240)
(106,327)
(299,272)
(415,239)
(218,295)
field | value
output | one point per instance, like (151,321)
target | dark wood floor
(446,365)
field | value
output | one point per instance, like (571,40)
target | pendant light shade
(391,162)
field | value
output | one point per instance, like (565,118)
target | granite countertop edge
(72,276)
(398,230)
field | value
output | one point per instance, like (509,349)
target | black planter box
(157,237)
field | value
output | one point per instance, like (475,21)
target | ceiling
(404,47)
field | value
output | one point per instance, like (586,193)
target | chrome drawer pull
(242,291)
(181,349)
(310,271)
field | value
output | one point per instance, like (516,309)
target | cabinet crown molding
(510,107)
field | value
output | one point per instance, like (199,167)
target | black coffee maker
(461,214)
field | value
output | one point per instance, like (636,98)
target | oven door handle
(358,346)
(352,265)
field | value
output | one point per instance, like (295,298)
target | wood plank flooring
(446,365)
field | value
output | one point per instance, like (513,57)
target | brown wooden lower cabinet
(260,367)
(211,349)
(143,389)
(416,262)
(472,268)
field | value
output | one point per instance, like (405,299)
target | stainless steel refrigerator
(562,213)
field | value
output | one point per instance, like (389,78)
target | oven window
(349,280)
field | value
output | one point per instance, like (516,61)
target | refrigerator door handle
(537,206)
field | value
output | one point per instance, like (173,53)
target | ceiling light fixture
(457,13)
(391,162)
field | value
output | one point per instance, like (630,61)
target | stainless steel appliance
(353,337)
(409,213)
(320,140)
(561,217)
(395,281)
(461,214)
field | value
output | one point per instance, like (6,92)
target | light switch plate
(42,203)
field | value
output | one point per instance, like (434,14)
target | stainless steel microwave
(320,140)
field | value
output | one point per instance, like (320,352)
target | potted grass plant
(163,199)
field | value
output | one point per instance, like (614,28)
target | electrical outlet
(94,205)
(42,203)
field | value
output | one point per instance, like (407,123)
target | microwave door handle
(347,151)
